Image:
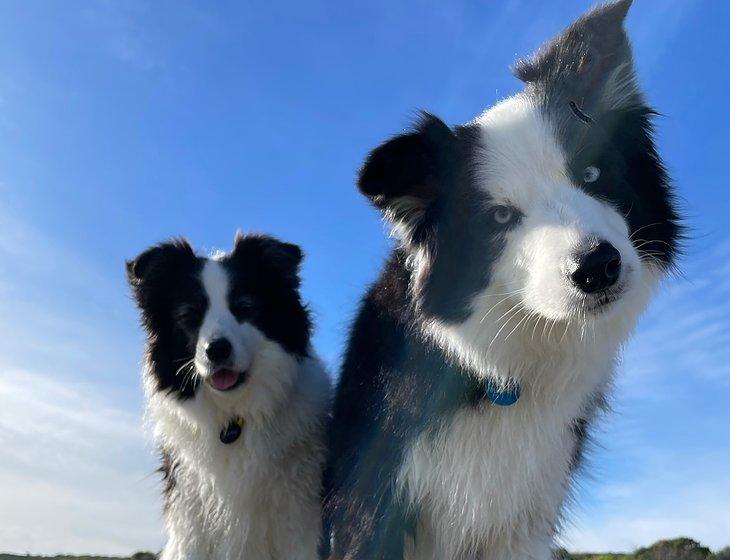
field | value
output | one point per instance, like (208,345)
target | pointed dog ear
(404,176)
(279,256)
(590,63)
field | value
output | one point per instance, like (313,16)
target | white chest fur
(257,498)
(245,507)
(490,483)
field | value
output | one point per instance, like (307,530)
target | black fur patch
(578,64)
(393,387)
(424,182)
(167,469)
(584,81)
(165,281)
(633,178)
(265,272)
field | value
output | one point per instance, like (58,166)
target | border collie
(530,240)
(236,398)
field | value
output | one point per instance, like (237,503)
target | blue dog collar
(502,396)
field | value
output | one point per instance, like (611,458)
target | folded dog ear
(279,256)
(165,258)
(590,63)
(153,275)
(404,176)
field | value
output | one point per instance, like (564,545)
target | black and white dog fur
(228,346)
(530,240)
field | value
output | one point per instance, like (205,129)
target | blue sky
(124,123)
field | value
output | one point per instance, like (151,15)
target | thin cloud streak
(76,474)
(699,512)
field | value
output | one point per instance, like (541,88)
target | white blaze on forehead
(215,283)
(218,321)
(520,156)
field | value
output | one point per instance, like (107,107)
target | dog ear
(158,261)
(404,176)
(279,256)
(589,64)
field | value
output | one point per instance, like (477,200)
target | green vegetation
(675,549)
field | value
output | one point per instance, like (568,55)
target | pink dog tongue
(223,379)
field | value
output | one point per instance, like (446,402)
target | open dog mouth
(226,379)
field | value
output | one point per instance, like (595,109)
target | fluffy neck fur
(227,500)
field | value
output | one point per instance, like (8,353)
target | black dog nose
(218,350)
(598,268)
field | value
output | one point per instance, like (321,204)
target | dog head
(231,325)
(551,208)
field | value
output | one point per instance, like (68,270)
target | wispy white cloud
(75,475)
(59,313)
(656,509)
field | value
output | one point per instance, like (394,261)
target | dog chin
(600,306)
(585,308)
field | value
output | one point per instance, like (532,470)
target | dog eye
(189,314)
(591,174)
(242,307)
(503,214)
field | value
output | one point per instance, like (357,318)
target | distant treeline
(675,549)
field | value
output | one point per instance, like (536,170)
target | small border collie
(530,240)
(236,398)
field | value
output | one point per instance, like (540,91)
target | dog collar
(502,396)
(232,431)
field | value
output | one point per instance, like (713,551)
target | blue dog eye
(591,174)
(503,214)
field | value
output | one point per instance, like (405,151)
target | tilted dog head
(233,323)
(551,210)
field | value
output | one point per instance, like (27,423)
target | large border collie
(236,397)
(530,241)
